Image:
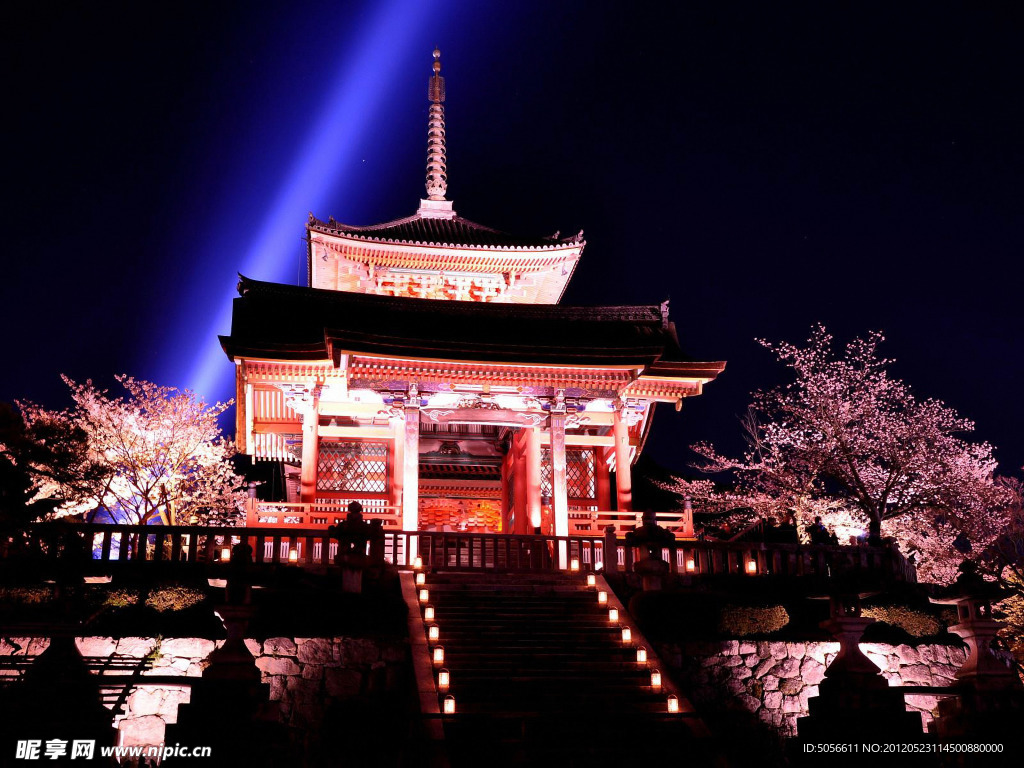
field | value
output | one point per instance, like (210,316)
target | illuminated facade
(429,372)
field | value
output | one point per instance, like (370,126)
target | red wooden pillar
(623,480)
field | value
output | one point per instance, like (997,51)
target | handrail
(96,544)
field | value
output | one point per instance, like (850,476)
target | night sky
(765,168)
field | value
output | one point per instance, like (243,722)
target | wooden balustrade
(94,546)
(320,515)
(596,522)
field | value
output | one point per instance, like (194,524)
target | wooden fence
(95,547)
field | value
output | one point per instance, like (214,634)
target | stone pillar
(623,481)
(310,449)
(411,471)
(533,475)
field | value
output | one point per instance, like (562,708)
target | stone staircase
(540,676)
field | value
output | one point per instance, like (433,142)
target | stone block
(797,650)
(747,648)
(96,646)
(734,660)
(277,665)
(190,647)
(778,650)
(752,660)
(141,731)
(770,683)
(821,652)
(316,650)
(278,688)
(791,686)
(173,698)
(812,672)
(312,671)
(145,701)
(791,704)
(879,660)
(280,646)
(907,654)
(742,673)
(254,646)
(762,669)
(773,700)
(749,703)
(916,674)
(35,645)
(788,667)
(136,647)
(730,647)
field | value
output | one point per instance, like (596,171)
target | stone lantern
(990,695)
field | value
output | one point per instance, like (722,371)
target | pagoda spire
(437,172)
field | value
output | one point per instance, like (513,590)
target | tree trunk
(874,532)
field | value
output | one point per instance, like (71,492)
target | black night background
(764,166)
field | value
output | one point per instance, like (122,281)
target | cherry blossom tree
(846,438)
(44,465)
(163,449)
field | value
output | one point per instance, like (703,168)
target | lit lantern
(434,633)
(421,579)
(655,678)
(691,564)
(602,598)
(641,655)
(627,635)
(428,613)
(613,614)
(439,655)
(225,554)
(574,564)
(293,555)
(591,580)
(751,566)
(424,595)
(417,562)
(449,705)
(673,703)
(443,679)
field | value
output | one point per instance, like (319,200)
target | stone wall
(774,680)
(306,675)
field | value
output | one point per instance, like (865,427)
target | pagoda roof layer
(453,231)
(282,322)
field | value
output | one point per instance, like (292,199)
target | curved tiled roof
(440,231)
(294,323)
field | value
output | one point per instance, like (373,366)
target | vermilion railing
(98,546)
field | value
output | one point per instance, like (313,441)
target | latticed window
(580,477)
(352,466)
(579,474)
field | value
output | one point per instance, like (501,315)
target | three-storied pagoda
(429,372)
